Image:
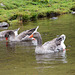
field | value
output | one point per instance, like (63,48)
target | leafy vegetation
(26,10)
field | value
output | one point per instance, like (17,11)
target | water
(19,58)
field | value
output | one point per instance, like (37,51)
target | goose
(23,36)
(2,33)
(55,45)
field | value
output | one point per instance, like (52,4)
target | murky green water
(20,58)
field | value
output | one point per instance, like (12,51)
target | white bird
(55,45)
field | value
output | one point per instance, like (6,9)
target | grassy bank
(15,11)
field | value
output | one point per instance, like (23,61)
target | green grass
(26,10)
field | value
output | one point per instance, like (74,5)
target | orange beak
(31,36)
(6,38)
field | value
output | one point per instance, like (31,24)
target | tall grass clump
(25,18)
(34,16)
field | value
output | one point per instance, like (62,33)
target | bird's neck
(39,41)
(12,37)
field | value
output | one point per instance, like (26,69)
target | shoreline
(26,11)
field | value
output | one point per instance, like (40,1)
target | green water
(20,59)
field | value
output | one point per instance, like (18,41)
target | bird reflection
(10,47)
(52,58)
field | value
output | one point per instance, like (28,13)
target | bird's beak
(6,38)
(31,36)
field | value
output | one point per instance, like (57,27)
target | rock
(2,4)
(4,24)
(73,12)
(53,18)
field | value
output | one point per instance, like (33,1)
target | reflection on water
(2,39)
(48,59)
(51,58)
(59,57)
(11,46)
